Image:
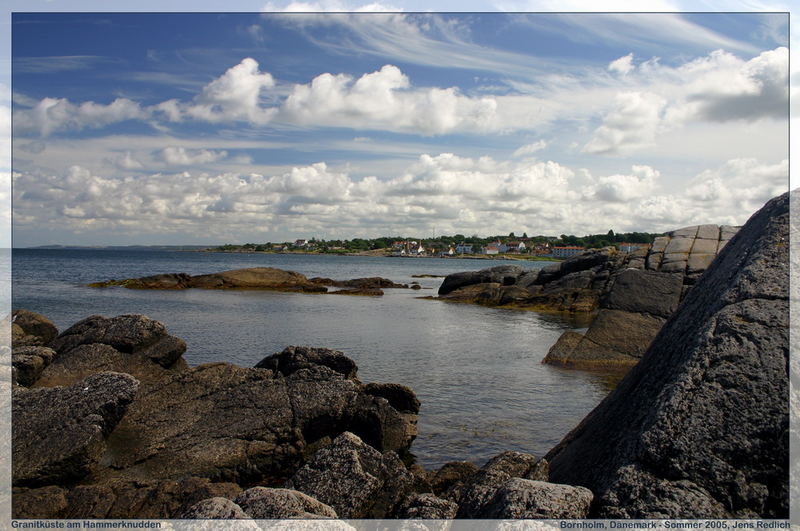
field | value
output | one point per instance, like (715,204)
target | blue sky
(170,128)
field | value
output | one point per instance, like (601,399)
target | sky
(270,125)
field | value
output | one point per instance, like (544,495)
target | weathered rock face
(264,503)
(139,498)
(699,428)
(292,359)
(218,422)
(503,275)
(528,499)
(245,425)
(475,494)
(426,507)
(58,434)
(29,362)
(133,344)
(214,509)
(354,478)
(31,329)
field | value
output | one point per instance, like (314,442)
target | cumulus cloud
(456,194)
(719,87)
(639,184)
(179,156)
(385,100)
(623,65)
(631,125)
(235,96)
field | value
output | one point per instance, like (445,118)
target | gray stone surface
(354,478)
(705,246)
(426,506)
(84,360)
(293,358)
(503,275)
(29,362)
(527,499)
(58,434)
(266,503)
(214,508)
(245,425)
(708,232)
(478,491)
(627,333)
(699,428)
(699,262)
(31,329)
(644,292)
(678,245)
(686,232)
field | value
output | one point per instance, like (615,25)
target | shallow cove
(476,370)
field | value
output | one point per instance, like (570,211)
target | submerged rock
(268,278)
(699,428)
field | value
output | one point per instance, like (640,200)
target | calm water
(476,370)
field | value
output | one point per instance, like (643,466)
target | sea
(476,370)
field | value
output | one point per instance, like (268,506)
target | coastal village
(538,247)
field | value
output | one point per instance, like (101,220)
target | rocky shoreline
(110,422)
(628,296)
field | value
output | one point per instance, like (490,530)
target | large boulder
(29,362)
(31,329)
(504,275)
(699,428)
(426,507)
(58,434)
(528,499)
(133,344)
(475,495)
(214,509)
(354,478)
(230,423)
(264,503)
(292,359)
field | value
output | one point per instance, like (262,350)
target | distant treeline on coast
(442,244)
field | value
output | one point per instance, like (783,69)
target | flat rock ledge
(255,278)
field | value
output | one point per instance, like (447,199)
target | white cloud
(623,65)
(631,125)
(530,149)
(385,100)
(637,185)
(456,194)
(58,114)
(126,161)
(179,156)
(235,96)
